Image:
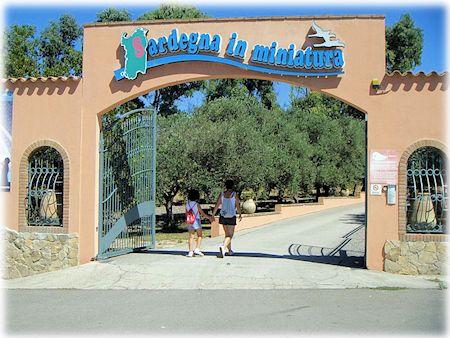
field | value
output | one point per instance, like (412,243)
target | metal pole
(153,192)
(100,195)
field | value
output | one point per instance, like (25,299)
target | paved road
(237,312)
(282,255)
(330,236)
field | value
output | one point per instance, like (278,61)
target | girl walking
(193,220)
(229,202)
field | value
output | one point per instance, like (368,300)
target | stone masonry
(415,258)
(29,253)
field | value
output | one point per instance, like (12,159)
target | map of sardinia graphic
(135,47)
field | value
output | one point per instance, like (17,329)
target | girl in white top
(193,205)
(229,201)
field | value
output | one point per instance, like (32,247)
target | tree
(57,53)
(171,11)
(404,43)
(261,89)
(337,140)
(113,15)
(287,152)
(21,56)
(173,158)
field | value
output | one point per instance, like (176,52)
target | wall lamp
(376,84)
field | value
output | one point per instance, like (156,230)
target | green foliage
(113,15)
(171,11)
(57,52)
(261,89)
(404,43)
(47,155)
(426,158)
(164,100)
(21,57)
(337,140)
(53,53)
(317,144)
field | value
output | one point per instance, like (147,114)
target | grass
(180,235)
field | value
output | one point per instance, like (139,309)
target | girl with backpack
(193,220)
(229,202)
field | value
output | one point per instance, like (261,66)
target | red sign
(384,166)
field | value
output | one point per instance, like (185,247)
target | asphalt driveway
(320,250)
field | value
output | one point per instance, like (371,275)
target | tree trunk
(317,191)
(280,196)
(170,220)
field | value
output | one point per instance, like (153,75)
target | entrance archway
(401,110)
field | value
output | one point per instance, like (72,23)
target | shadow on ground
(357,219)
(339,255)
(309,253)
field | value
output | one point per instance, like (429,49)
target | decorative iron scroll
(427,194)
(45,188)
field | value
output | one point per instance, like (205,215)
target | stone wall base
(415,258)
(30,253)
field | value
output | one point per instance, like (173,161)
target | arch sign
(320,59)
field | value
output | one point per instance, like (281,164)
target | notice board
(384,167)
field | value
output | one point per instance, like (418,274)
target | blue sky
(431,19)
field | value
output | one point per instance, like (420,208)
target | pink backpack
(190,217)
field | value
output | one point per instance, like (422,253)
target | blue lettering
(318,59)
(172,41)
(282,56)
(338,58)
(215,43)
(290,62)
(183,43)
(299,61)
(204,42)
(328,56)
(193,47)
(272,53)
(241,49)
(308,58)
(152,47)
(162,41)
(230,48)
(260,54)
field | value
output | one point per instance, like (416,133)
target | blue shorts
(195,226)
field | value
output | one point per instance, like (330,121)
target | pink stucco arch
(228,72)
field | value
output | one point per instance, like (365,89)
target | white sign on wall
(383,167)
(375,189)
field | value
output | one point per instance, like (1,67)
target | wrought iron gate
(127,183)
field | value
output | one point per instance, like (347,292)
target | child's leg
(199,238)
(191,240)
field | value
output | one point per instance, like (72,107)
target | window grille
(427,194)
(45,188)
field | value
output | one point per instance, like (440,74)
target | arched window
(426,198)
(45,188)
